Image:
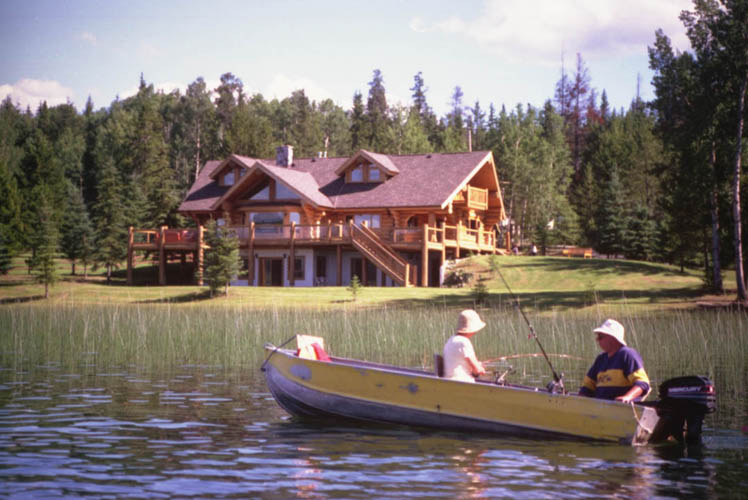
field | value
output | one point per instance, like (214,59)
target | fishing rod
(556,378)
(530,355)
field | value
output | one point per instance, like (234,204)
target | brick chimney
(284,156)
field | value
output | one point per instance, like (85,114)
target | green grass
(542,283)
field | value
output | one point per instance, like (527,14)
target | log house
(392,220)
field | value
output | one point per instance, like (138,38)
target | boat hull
(363,391)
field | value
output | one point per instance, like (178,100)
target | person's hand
(624,399)
(481,370)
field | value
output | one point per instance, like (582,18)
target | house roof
(204,191)
(430,180)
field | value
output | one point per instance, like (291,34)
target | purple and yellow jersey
(611,377)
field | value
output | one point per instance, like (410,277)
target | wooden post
(200,259)
(458,237)
(340,265)
(130,240)
(444,245)
(407,275)
(425,257)
(364,272)
(162,257)
(292,262)
(251,254)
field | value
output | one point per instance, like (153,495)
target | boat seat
(439,365)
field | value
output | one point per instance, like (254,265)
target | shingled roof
(429,180)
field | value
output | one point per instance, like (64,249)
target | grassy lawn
(542,283)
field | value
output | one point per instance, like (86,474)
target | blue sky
(505,52)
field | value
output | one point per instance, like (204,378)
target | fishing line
(558,380)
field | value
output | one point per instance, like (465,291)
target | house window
(263,194)
(228,179)
(372,220)
(298,268)
(375,175)
(357,174)
(283,193)
(294,217)
(267,222)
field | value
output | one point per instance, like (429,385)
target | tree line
(659,180)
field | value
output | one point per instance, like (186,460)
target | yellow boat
(360,390)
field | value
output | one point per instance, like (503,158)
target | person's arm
(476,367)
(631,394)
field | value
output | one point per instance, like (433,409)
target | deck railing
(320,233)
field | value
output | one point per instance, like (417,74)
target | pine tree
(377,114)
(642,234)
(45,271)
(109,220)
(612,221)
(5,255)
(358,124)
(222,258)
(77,232)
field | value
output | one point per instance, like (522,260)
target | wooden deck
(380,248)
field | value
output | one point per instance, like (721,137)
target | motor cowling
(683,404)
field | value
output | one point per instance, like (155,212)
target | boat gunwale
(341,361)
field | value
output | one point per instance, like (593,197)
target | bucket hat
(469,322)
(613,328)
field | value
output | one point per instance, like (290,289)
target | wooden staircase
(382,255)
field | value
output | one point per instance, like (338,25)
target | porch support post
(458,237)
(425,257)
(130,240)
(162,257)
(444,245)
(251,254)
(200,254)
(340,265)
(292,262)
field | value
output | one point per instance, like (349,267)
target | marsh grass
(157,338)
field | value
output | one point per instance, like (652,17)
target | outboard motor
(683,403)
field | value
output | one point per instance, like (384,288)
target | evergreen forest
(656,181)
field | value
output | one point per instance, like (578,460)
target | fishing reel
(557,386)
(500,378)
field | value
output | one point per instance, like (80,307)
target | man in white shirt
(460,362)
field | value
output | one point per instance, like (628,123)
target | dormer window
(374,174)
(357,174)
(228,178)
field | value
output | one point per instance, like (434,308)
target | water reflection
(206,433)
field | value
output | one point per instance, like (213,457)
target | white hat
(469,322)
(613,328)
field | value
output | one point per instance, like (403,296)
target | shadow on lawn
(179,299)
(554,300)
(21,300)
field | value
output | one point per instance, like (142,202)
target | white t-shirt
(456,366)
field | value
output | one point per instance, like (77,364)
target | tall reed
(157,338)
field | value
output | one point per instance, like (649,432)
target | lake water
(201,432)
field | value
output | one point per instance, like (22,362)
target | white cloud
(282,86)
(165,87)
(88,38)
(30,92)
(540,30)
